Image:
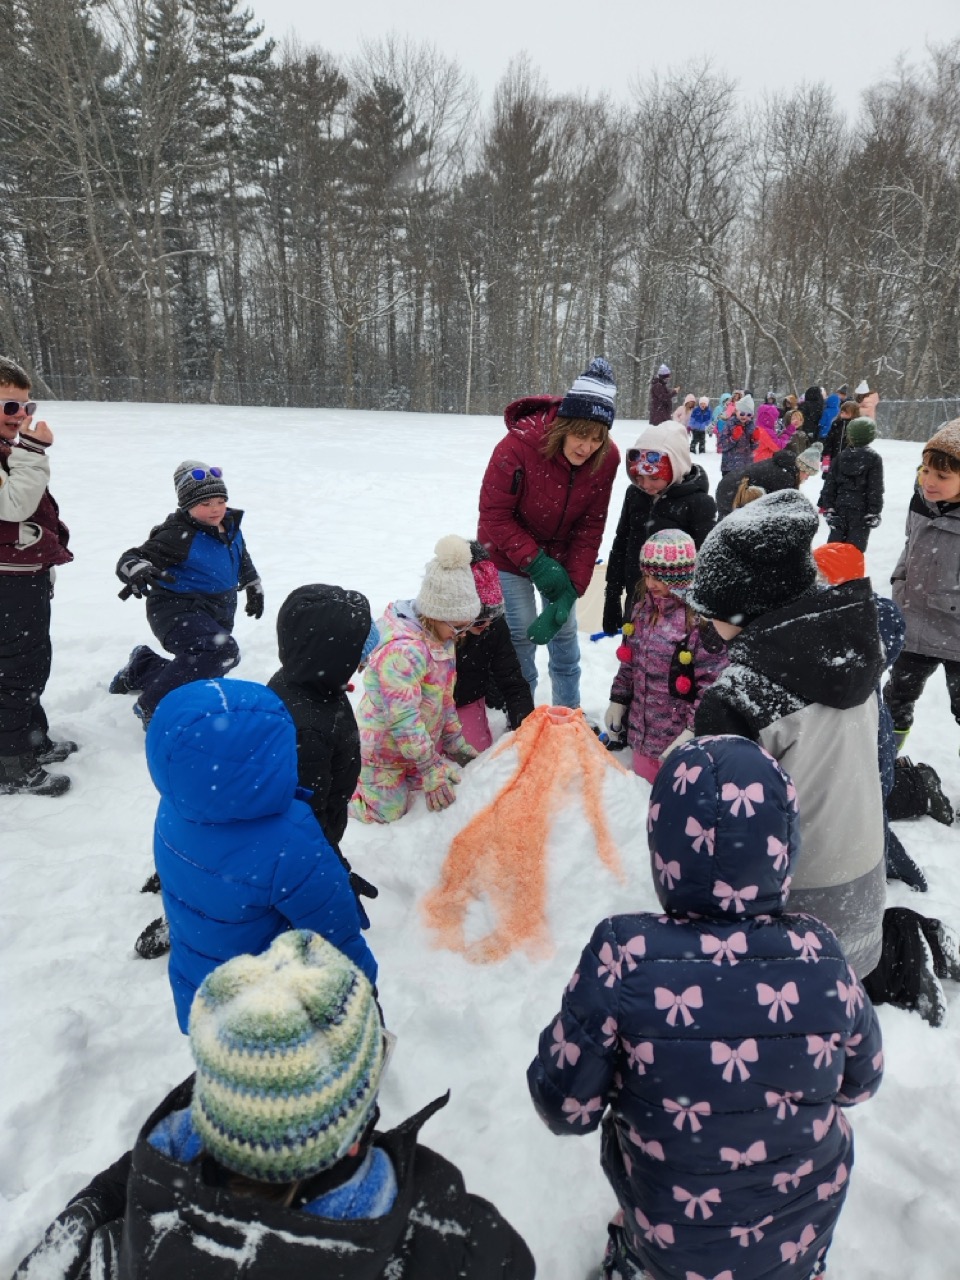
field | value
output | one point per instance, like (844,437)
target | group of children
(272,975)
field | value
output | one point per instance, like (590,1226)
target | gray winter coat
(926,581)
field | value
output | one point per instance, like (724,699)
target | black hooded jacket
(854,483)
(812,409)
(488,668)
(686,505)
(321,632)
(777,472)
(150,1217)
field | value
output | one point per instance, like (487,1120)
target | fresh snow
(90,1042)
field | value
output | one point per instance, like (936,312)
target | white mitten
(616,719)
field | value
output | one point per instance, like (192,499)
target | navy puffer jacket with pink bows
(716,1042)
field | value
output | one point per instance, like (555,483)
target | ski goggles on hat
(645,462)
(202,473)
(12,407)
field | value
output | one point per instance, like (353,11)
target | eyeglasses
(12,407)
(198,473)
(481,624)
(461,631)
(744,416)
(645,461)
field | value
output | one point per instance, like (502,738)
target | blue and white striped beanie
(592,396)
(289,1049)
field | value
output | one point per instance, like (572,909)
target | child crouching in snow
(410,734)
(715,1042)
(667,660)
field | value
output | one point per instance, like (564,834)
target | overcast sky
(579,45)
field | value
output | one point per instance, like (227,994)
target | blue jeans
(520,605)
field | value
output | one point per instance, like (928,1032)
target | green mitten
(549,576)
(546,625)
(563,606)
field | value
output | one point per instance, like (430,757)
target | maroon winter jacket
(661,401)
(530,503)
(40,541)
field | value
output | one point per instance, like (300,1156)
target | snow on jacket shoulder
(174,1224)
(240,858)
(529,502)
(407,714)
(926,580)
(802,682)
(716,1041)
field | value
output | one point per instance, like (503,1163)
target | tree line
(189,210)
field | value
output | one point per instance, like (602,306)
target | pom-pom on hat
(195,482)
(756,560)
(592,396)
(448,592)
(946,440)
(289,1050)
(840,562)
(861,431)
(811,458)
(670,557)
(487,581)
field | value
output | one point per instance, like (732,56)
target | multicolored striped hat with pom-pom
(670,556)
(289,1049)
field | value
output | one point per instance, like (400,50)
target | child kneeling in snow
(267,1161)
(668,658)
(716,1041)
(410,733)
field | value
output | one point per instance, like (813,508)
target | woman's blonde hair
(586,429)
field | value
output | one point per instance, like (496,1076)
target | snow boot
(23,776)
(938,806)
(155,940)
(900,866)
(51,752)
(152,885)
(123,681)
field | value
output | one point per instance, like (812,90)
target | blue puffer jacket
(240,857)
(716,1041)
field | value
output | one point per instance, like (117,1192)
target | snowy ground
(89,1040)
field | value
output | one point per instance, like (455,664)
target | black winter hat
(757,560)
(195,482)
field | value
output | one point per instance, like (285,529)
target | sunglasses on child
(199,473)
(645,461)
(12,407)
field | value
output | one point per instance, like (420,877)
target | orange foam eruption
(502,854)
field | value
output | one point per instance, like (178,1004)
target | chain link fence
(914,419)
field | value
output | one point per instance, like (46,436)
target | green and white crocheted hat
(289,1049)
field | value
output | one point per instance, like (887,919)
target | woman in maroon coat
(543,506)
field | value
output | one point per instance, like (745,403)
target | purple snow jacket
(717,1041)
(644,682)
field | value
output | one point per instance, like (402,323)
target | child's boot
(23,776)
(50,752)
(938,806)
(125,680)
(155,939)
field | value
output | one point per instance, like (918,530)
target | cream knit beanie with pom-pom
(448,592)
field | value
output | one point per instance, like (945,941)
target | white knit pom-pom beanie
(448,592)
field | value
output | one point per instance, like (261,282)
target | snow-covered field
(88,1039)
